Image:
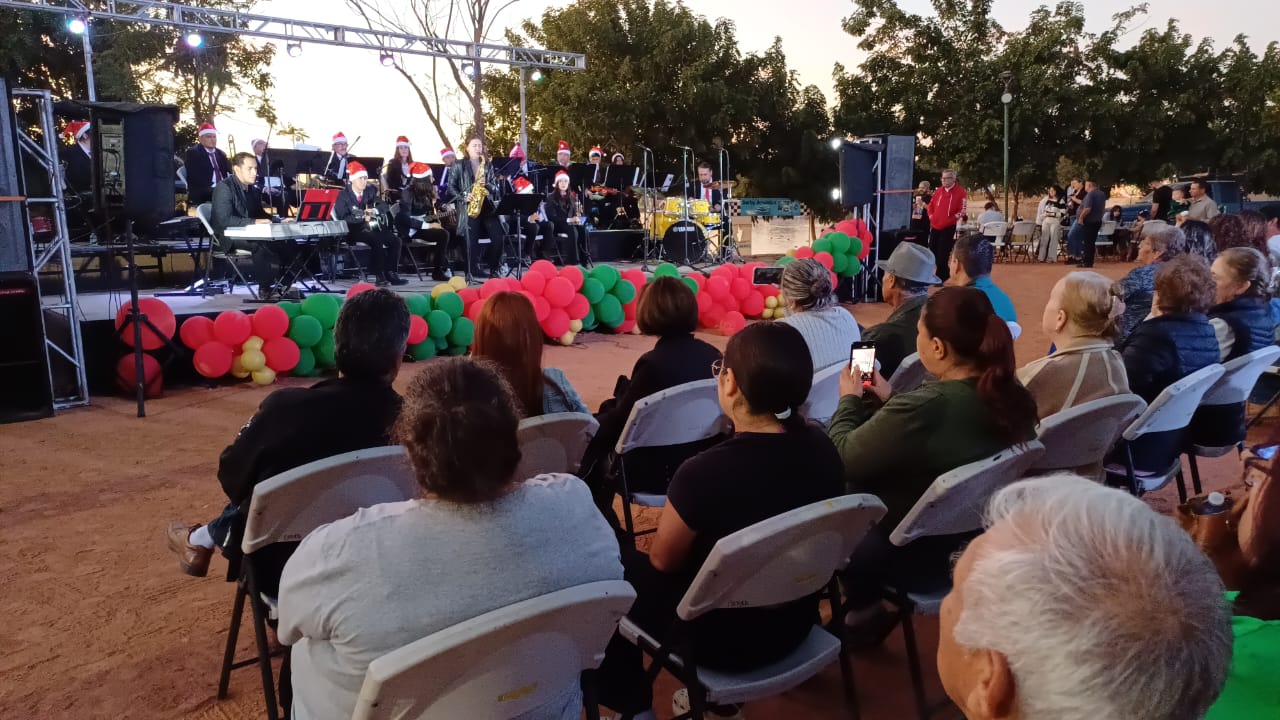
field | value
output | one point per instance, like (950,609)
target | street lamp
(1005,98)
(80,26)
(836,142)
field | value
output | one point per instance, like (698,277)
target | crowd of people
(1077,601)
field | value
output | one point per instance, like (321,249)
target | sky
(357,96)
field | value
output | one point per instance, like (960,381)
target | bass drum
(684,242)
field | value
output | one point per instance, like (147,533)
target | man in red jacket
(945,209)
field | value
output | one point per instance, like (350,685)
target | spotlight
(469,69)
(294,49)
(835,193)
(386,58)
(536,76)
(194,39)
(835,143)
(77,26)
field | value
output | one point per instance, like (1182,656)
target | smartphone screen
(766,276)
(1266,452)
(862,356)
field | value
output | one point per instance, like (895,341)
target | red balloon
(804,252)
(534,282)
(578,307)
(865,237)
(158,313)
(575,277)
(282,353)
(848,227)
(473,310)
(152,375)
(626,326)
(740,288)
(629,311)
(213,359)
(825,259)
(196,331)
(635,275)
(271,321)
(468,295)
(698,279)
(730,303)
(546,268)
(768,290)
(512,284)
(556,324)
(232,328)
(728,272)
(417,331)
(718,287)
(753,304)
(732,323)
(705,301)
(559,292)
(541,309)
(834,280)
(356,290)
(714,315)
(491,286)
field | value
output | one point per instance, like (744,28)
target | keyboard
(285,231)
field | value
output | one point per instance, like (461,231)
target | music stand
(519,207)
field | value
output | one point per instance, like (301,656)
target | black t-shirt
(746,479)
(1096,202)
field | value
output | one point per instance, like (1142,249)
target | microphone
(642,146)
(682,147)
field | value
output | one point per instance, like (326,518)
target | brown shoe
(192,559)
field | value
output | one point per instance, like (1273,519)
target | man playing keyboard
(237,204)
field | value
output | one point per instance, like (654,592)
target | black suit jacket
(79,173)
(337,166)
(695,191)
(200,173)
(350,208)
(462,177)
(235,205)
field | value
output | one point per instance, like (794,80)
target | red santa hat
(253,144)
(618,155)
(516,152)
(403,141)
(562,147)
(596,151)
(522,186)
(77,129)
(355,170)
(207,129)
(562,174)
(446,153)
(338,137)
(419,170)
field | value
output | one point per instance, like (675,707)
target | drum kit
(684,229)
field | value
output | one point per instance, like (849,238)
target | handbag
(1246,535)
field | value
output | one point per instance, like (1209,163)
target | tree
(39,52)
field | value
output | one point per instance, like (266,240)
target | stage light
(835,193)
(77,25)
(469,69)
(835,143)
(536,76)
(387,59)
(294,49)
(194,39)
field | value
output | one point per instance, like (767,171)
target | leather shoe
(192,559)
(395,279)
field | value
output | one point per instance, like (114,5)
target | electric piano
(288,231)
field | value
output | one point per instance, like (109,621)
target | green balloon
(785,260)
(593,290)
(323,307)
(840,263)
(625,291)
(290,308)
(462,333)
(608,276)
(305,331)
(609,311)
(666,270)
(450,303)
(855,246)
(419,305)
(306,366)
(822,244)
(324,351)
(442,343)
(589,322)
(424,350)
(855,266)
(455,350)
(692,285)
(439,323)
(839,243)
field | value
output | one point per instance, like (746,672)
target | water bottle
(1215,503)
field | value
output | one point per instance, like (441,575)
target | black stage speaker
(858,173)
(144,161)
(24,382)
(899,170)
(15,254)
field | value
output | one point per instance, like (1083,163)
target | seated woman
(775,462)
(1176,341)
(1241,315)
(896,445)
(1159,242)
(507,333)
(1082,319)
(477,539)
(420,219)
(668,309)
(828,329)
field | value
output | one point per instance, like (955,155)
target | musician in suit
(206,166)
(236,204)
(397,173)
(420,216)
(368,220)
(522,182)
(561,207)
(78,158)
(703,190)
(487,224)
(338,166)
(271,196)
(447,158)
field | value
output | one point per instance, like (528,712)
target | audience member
(1178,209)
(1202,206)
(669,310)
(295,426)
(908,274)
(478,539)
(775,462)
(1271,213)
(1053,208)
(1079,601)
(1159,243)
(972,259)
(1230,231)
(1241,316)
(990,214)
(1200,240)
(1075,198)
(1161,201)
(507,333)
(1092,214)
(827,328)
(1082,318)
(974,409)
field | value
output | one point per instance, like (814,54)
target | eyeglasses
(717,366)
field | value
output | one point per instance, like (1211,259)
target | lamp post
(80,26)
(524,131)
(1005,98)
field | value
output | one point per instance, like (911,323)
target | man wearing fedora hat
(908,273)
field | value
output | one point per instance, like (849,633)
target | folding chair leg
(913,662)
(627,523)
(264,650)
(1182,487)
(233,635)
(590,695)
(1130,473)
(1195,473)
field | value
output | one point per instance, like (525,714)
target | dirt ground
(102,624)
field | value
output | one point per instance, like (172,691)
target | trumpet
(231,144)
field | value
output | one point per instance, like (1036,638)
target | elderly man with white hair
(1081,603)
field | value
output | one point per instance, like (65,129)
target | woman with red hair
(508,335)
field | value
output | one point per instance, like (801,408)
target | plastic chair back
(1083,435)
(288,506)
(824,395)
(1015,330)
(1174,407)
(783,558)
(996,230)
(910,374)
(675,416)
(203,212)
(554,443)
(1024,229)
(957,499)
(503,664)
(1108,229)
(1239,376)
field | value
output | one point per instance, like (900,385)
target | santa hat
(254,142)
(516,152)
(562,147)
(562,174)
(207,129)
(339,138)
(522,186)
(403,141)
(355,170)
(446,153)
(595,151)
(618,155)
(419,170)
(77,129)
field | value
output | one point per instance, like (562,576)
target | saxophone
(475,198)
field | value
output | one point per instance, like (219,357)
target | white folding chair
(1021,238)
(678,415)
(910,374)
(953,504)
(1172,410)
(996,231)
(203,213)
(1081,436)
(1015,330)
(522,660)
(1105,237)
(779,560)
(824,395)
(288,506)
(554,443)
(1222,409)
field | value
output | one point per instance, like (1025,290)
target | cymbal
(642,191)
(723,185)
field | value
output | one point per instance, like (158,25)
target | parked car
(1226,192)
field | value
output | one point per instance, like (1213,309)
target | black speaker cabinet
(15,254)
(858,173)
(24,372)
(140,151)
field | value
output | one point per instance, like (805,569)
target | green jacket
(896,452)
(895,338)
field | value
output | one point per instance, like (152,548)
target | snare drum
(673,206)
(699,207)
